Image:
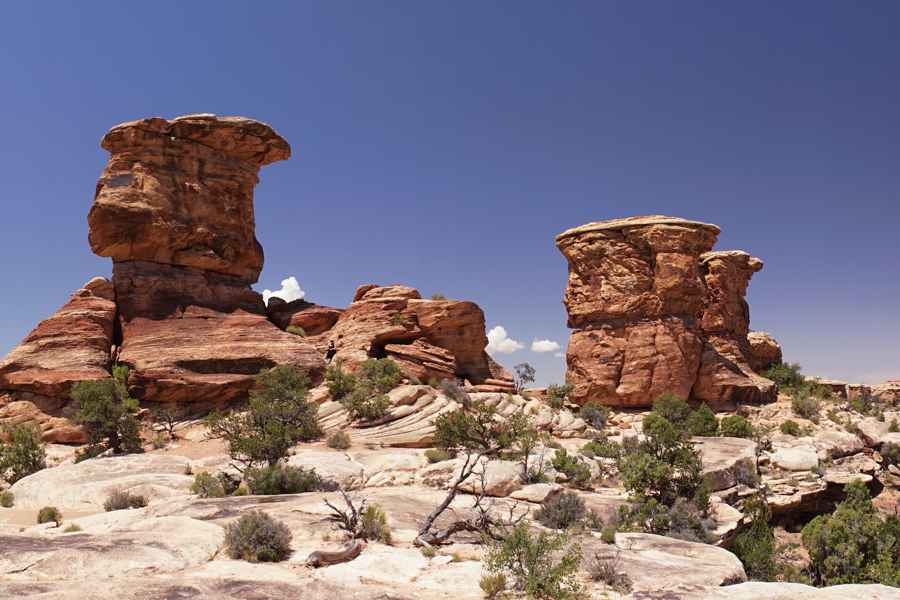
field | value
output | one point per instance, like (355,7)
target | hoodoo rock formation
(174,210)
(655,312)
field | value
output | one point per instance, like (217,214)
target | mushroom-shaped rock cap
(239,137)
(629,222)
(737,257)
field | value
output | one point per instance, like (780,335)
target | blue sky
(444,144)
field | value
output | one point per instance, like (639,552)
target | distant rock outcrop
(655,311)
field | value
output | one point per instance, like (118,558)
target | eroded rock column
(634,294)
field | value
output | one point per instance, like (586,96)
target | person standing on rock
(329,354)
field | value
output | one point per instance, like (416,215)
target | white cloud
(500,343)
(290,291)
(544,346)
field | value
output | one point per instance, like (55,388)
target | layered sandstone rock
(726,377)
(655,311)
(180,192)
(765,351)
(429,339)
(72,345)
(633,296)
(313,319)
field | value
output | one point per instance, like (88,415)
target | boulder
(725,378)
(313,319)
(180,192)
(764,351)
(799,458)
(887,392)
(756,590)
(727,461)
(85,486)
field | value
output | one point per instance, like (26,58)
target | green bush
(207,485)
(382,374)
(122,500)
(364,396)
(736,426)
(702,422)
(608,534)
(373,525)
(562,511)
(7,499)
(674,410)
(790,428)
(576,471)
(257,537)
(663,475)
(72,528)
(595,414)
(894,426)
(108,413)
(282,479)
(50,514)
(436,455)
(755,545)
(806,405)
(602,448)
(438,297)
(558,395)
(786,375)
(340,383)
(22,454)
(364,405)
(339,440)
(296,330)
(854,544)
(541,564)
(278,416)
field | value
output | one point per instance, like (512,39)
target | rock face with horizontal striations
(633,297)
(726,377)
(72,345)
(429,339)
(180,192)
(655,311)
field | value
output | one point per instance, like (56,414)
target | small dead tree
(478,433)
(166,419)
(348,519)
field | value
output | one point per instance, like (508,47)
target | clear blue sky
(444,144)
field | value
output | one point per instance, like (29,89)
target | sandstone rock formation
(429,339)
(726,378)
(765,351)
(655,312)
(73,345)
(633,296)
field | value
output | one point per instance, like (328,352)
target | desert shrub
(562,511)
(894,427)
(602,448)
(890,452)
(50,514)
(854,544)
(257,537)
(108,413)
(436,455)
(595,414)
(703,422)
(72,528)
(606,567)
(339,440)
(278,416)
(786,375)
(541,564)
(736,426)
(7,499)
(755,545)
(282,479)
(166,419)
(674,410)
(22,454)
(122,500)
(296,330)
(663,476)
(428,551)
(339,382)
(366,400)
(382,374)
(207,485)
(790,428)
(805,405)
(558,395)
(438,297)
(373,524)
(493,585)
(365,405)
(576,471)
(608,534)
(523,374)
